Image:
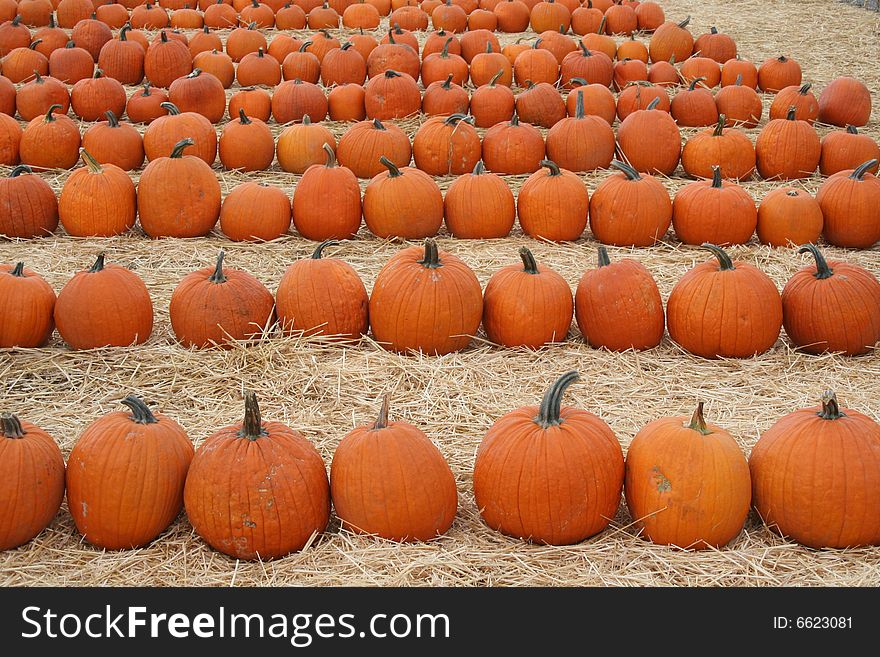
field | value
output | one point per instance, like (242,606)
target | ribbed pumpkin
(166,60)
(346,103)
(145,104)
(246,144)
(446,146)
(256,103)
(728,149)
(787,149)
(846,149)
(541,105)
(165,132)
(112,142)
(302,145)
(594,67)
(199,92)
(91,98)
(255,212)
(627,71)
(425,300)
(217,307)
(125,476)
(535,65)
(178,196)
(714,211)
(650,141)
(123,59)
(549,474)
(739,71)
(294,99)
(694,106)
(513,148)
(598,100)
(630,209)
(664,74)
(104,306)
(31,481)
(696,68)
(218,64)
(799,97)
(227,499)
(492,103)
(301,65)
(33,99)
(687,483)
(724,309)
(832,306)
(50,142)
(440,65)
(671,40)
(479,205)
(485,65)
(393,56)
(845,101)
(777,73)
(788,216)
(23,64)
(715,45)
(581,143)
(849,200)
(366,141)
(553,204)
(204,41)
(258,69)
(527,305)
(816,474)
(445,99)
(618,306)
(402,202)
(639,96)
(27,303)
(388,479)
(97,200)
(392,95)
(327,201)
(28,207)
(8,97)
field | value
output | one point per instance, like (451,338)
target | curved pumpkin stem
(685,22)
(18,270)
(653,104)
(10,426)
(830,407)
(629,171)
(693,85)
(382,421)
(551,405)
(530,265)
(171,108)
(331,155)
(823,271)
(554,168)
(99,264)
(218,276)
(242,117)
(792,114)
(444,53)
(495,77)
(716,177)
(112,121)
(146,89)
(851,129)
(50,114)
(392,74)
(603,258)
(448,83)
(724,261)
(860,171)
(252,427)
(479,168)
(579,82)
(585,52)
(319,250)
(455,119)
(805,88)
(719,127)
(140,412)
(177,151)
(20,169)
(698,422)
(377,124)
(432,255)
(93,164)
(393,170)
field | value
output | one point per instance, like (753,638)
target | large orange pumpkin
(402,202)
(845,101)
(715,211)
(789,216)
(581,142)
(255,212)
(327,201)
(28,207)
(553,204)
(97,200)
(849,200)
(447,145)
(366,141)
(650,140)
(728,149)
(27,303)
(787,148)
(847,149)
(479,205)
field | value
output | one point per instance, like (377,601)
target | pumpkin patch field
(338,298)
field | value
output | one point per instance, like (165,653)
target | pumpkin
(97,200)
(111,142)
(392,95)
(364,143)
(256,103)
(741,105)
(446,146)
(15,35)
(187,19)
(512,15)
(261,15)
(435,42)
(91,35)
(91,98)
(323,17)
(104,306)
(178,195)
(527,305)
(218,307)
(418,502)
(230,470)
(33,12)
(301,65)
(445,99)
(535,65)
(549,15)
(8,97)
(449,17)
(846,149)
(486,64)
(687,483)
(832,506)
(440,65)
(701,67)
(10,140)
(618,306)
(143,458)
(166,60)
(638,96)
(204,41)
(630,209)
(246,144)
(650,141)
(599,41)
(715,45)
(290,17)
(492,103)
(553,204)
(342,65)
(787,148)
(393,56)
(627,71)
(479,205)
(145,104)
(581,143)
(27,303)
(714,211)
(671,40)
(832,306)
(165,132)
(425,300)
(728,309)
(245,40)
(694,106)
(360,15)
(597,100)
(476,42)
(302,145)
(255,212)
(728,149)
(849,200)
(149,16)
(789,216)
(295,99)
(28,207)
(541,105)
(52,37)
(327,201)
(739,71)
(220,16)
(845,101)
(799,97)
(216,63)
(201,93)
(23,64)
(402,202)
(650,16)
(323,296)
(777,73)
(549,474)
(664,74)
(620,19)
(33,476)
(50,142)
(586,19)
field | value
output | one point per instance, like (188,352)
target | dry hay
(324,390)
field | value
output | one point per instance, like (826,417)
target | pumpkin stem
(99,264)
(685,22)
(716,177)
(445,52)
(163,36)
(479,168)
(18,270)
(140,412)
(448,83)
(123,32)
(393,170)
(177,151)
(792,114)
(171,108)
(739,80)
(851,129)
(432,255)
(579,106)
(830,407)
(514,119)
(860,171)
(823,271)
(551,405)
(112,121)
(455,119)
(252,427)
(530,265)
(147,85)
(242,117)
(653,104)
(604,260)
(10,426)
(382,421)
(713,30)
(196,72)
(218,276)
(495,77)
(698,422)
(579,81)
(719,127)
(331,156)
(378,124)
(391,74)
(724,261)
(585,52)
(50,113)
(319,250)
(550,164)
(805,88)
(307,120)
(20,169)
(694,83)
(93,164)
(629,171)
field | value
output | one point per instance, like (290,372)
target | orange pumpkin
(445,146)
(650,140)
(728,149)
(788,216)
(513,147)
(845,101)
(112,142)
(553,204)
(799,97)
(166,60)
(694,106)
(849,200)
(201,93)
(777,73)
(327,201)
(402,202)
(630,209)
(581,143)
(27,303)
(165,132)
(846,149)
(392,95)
(671,40)
(145,104)
(492,103)
(123,59)
(787,149)
(301,145)
(714,211)
(246,144)
(741,105)
(479,205)
(364,143)
(28,207)
(445,99)
(50,142)
(255,212)
(256,103)
(97,200)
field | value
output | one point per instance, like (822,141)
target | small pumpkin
(294,99)
(799,97)
(553,204)
(256,103)
(246,144)
(91,98)
(845,101)
(492,103)
(70,64)
(394,56)
(28,207)
(97,200)
(112,142)
(739,71)
(27,303)
(694,106)
(402,202)
(166,60)
(650,140)
(445,99)
(217,63)
(301,65)
(33,99)
(594,67)
(787,149)
(201,93)
(695,68)
(340,66)
(846,149)
(788,216)
(741,105)
(638,96)
(541,105)
(581,143)
(301,145)
(484,66)
(440,65)
(535,65)
(777,73)
(598,100)
(22,64)
(392,95)
(715,45)
(479,205)
(145,104)
(123,59)
(627,71)
(849,200)
(728,149)
(327,201)
(50,142)
(364,143)
(671,39)
(255,212)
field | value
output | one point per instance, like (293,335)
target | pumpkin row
(548,474)
(425,300)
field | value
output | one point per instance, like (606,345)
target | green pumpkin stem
(378,124)
(823,271)
(603,258)
(479,168)
(171,108)
(719,127)
(112,121)
(716,177)
(653,104)
(805,88)
(432,255)
(629,171)
(242,117)
(851,129)
(698,422)
(140,412)
(50,114)
(252,427)
(20,169)
(444,53)
(393,170)
(694,83)
(724,261)
(10,426)
(93,164)
(177,151)
(218,276)
(99,264)
(530,265)
(495,77)
(830,407)
(18,270)
(685,22)
(319,250)
(860,171)
(551,405)
(382,421)
(554,168)
(792,114)
(448,83)
(579,105)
